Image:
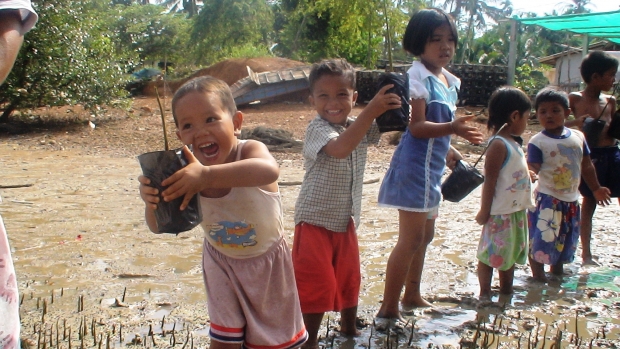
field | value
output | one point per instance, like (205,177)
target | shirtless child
(598,70)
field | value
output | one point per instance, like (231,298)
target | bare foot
(484,297)
(540,278)
(417,303)
(382,323)
(589,261)
(350,332)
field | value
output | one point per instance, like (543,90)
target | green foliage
(224,25)
(148,34)
(61,63)
(529,79)
(353,29)
(249,51)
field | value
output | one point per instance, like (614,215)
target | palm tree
(576,6)
(475,13)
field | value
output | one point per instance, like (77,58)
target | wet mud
(90,271)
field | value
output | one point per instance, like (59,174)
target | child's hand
(452,157)
(533,176)
(383,101)
(470,133)
(482,217)
(150,195)
(185,182)
(602,196)
(578,122)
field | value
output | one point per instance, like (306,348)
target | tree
(471,17)
(190,7)
(150,34)
(60,63)
(225,25)
(351,29)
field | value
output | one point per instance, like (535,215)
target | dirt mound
(230,71)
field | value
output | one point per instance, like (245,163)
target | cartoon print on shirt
(565,176)
(522,181)
(233,234)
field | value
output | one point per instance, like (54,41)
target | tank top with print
(244,223)
(513,190)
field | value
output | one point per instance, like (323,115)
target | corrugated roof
(602,25)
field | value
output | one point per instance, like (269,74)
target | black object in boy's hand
(395,119)
(157,166)
(614,126)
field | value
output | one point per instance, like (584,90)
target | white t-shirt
(560,162)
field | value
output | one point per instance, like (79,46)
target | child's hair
(205,84)
(421,27)
(334,67)
(550,94)
(504,101)
(597,62)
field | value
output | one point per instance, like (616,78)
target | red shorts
(327,268)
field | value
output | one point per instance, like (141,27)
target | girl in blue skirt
(412,184)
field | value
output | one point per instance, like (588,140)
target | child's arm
(573,101)
(150,197)
(256,168)
(421,128)
(496,154)
(452,157)
(588,173)
(342,146)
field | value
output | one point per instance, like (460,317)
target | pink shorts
(327,268)
(254,300)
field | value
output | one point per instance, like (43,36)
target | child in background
(412,184)
(506,192)
(598,70)
(327,211)
(251,293)
(559,156)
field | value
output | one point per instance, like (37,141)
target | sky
(542,7)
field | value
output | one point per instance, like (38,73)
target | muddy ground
(86,261)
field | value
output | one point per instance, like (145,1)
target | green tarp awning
(601,25)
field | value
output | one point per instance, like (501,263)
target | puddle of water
(64,231)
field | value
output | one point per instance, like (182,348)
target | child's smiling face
(333,98)
(551,116)
(204,123)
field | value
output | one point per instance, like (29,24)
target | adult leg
(485,275)
(413,297)
(410,238)
(348,319)
(313,324)
(506,278)
(588,207)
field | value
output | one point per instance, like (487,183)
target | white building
(565,72)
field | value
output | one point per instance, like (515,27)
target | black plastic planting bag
(614,126)
(157,166)
(592,129)
(462,181)
(395,119)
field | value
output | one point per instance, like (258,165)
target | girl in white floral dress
(506,192)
